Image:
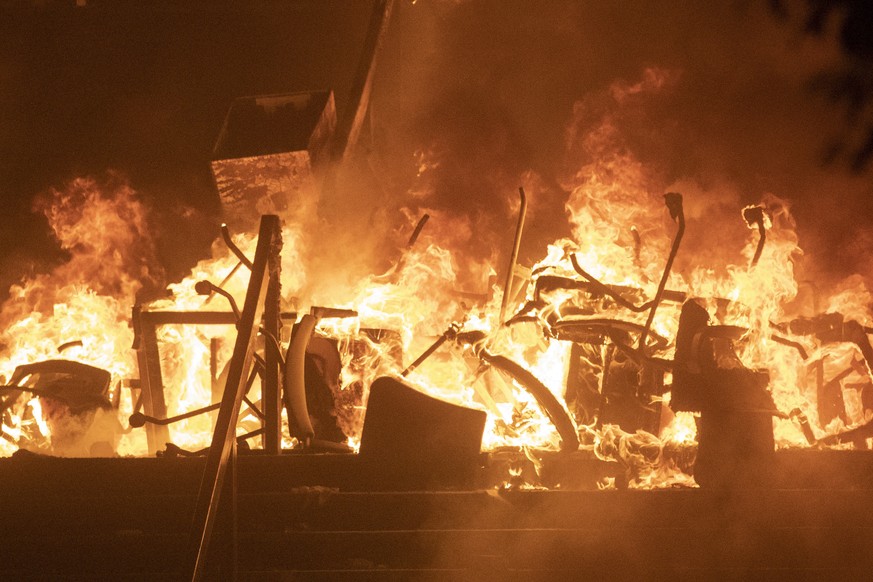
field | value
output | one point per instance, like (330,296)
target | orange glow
(621,235)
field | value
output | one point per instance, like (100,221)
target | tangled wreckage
(594,413)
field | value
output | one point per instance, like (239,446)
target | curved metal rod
(544,397)
(224,281)
(638,244)
(208,288)
(225,234)
(550,405)
(418,228)
(138,419)
(510,274)
(546,283)
(523,318)
(754,215)
(68,345)
(605,290)
(791,344)
(673,200)
(294,393)
(611,325)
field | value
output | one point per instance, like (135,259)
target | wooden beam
(151,381)
(271,393)
(349,127)
(224,437)
(155,318)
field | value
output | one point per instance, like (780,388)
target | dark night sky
(141,87)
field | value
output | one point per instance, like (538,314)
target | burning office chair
(76,407)
(414,441)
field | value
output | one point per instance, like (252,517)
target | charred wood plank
(154,318)
(221,450)
(271,393)
(151,381)
(349,127)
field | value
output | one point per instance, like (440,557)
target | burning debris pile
(614,346)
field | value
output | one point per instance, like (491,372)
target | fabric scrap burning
(621,344)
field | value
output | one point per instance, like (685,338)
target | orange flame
(621,235)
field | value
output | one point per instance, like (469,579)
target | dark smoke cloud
(484,89)
(489,89)
(141,88)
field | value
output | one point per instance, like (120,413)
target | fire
(86,300)
(580,324)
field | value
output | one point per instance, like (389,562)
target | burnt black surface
(419,441)
(260,126)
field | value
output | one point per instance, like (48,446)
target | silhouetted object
(735,427)
(322,368)
(75,405)
(417,441)
(631,393)
(269,153)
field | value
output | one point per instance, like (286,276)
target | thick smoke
(471,100)
(482,92)
(104,228)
